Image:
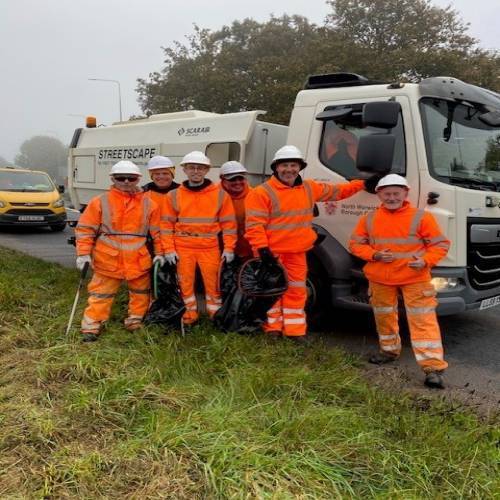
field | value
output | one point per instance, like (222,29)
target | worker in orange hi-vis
(192,217)
(233,179)
(279,216)
(111,235)
(401,244)
(162,172)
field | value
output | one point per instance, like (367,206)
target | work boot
(89,337)
(380,358)
(299,339)
(133,323)
(275,334)
(434,380)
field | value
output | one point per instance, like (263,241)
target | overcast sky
(49,49)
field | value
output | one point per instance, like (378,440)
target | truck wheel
(58,227)
(318,295)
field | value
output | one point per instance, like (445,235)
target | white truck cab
(447,145)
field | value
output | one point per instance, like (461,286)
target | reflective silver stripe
(309,194)
(424,356)
(294,321)
(274,320)
(191,308)
(173,199)
(197,220)
(325,193)
(392,336)
(252,224)
(273,310)
(146,211)
(288,310)
(397,241)
(229,231)
(420,310)
(186,234)
(443,244)
(359,239)
(407,255)
(384,309)
(290,225)
(427,344)
(168,218)
(102,295)
(395,347)
(437,239)
(275,204)
(143,291)
(211,307)
(86,226)
(227,218)
(154,228)
(415,223)
(297,283)
(166,231)
(121,246)
(217,300)
(257,213)
(191,298)
(292,213)
(369,225)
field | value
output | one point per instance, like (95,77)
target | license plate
(491,302)
(31,217)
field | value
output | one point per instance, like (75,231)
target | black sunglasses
(123,178)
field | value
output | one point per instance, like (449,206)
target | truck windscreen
(461,149)
(25,182)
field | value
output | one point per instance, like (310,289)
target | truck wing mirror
(381,114)
(60,188)
(334,114)
(375,153)
(491,118)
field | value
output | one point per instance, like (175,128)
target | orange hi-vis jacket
(243,248)
(407,232)
(280,216)
(194,219)
(114,228)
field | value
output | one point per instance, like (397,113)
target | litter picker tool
(77,296)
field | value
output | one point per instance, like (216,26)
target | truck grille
(27,204)
(29,211)
(483,253)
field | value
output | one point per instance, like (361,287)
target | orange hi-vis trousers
(287,314)
(208,260)
(102,290)
(420,303)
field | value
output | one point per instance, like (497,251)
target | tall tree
(43,152)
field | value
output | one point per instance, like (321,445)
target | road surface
(471,340)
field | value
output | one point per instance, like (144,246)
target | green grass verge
(210,415)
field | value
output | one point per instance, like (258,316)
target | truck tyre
(58,227)
(318,296)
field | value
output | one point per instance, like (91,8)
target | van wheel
(318,296)
(58,227)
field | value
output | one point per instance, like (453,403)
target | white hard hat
(196,157)
(159,162)
(392,180)
(232,169)
(288,152)
(125,167)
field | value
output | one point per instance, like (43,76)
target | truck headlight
(59,203)
(441,284)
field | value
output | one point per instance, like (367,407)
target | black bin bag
(242,310)
(168,306)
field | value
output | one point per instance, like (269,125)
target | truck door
(331,157)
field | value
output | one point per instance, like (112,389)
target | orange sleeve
(88,227)
(326,191)
(436,244)
(154,227)
(258,211)
(227,221)
(168,217)
(359,244)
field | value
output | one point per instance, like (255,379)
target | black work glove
(372,181)
(266,256)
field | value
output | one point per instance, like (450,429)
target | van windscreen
(25,182)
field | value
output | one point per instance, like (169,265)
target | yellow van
(30,198)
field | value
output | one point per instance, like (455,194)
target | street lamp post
(119,91)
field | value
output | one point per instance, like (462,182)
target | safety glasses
(123,178)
